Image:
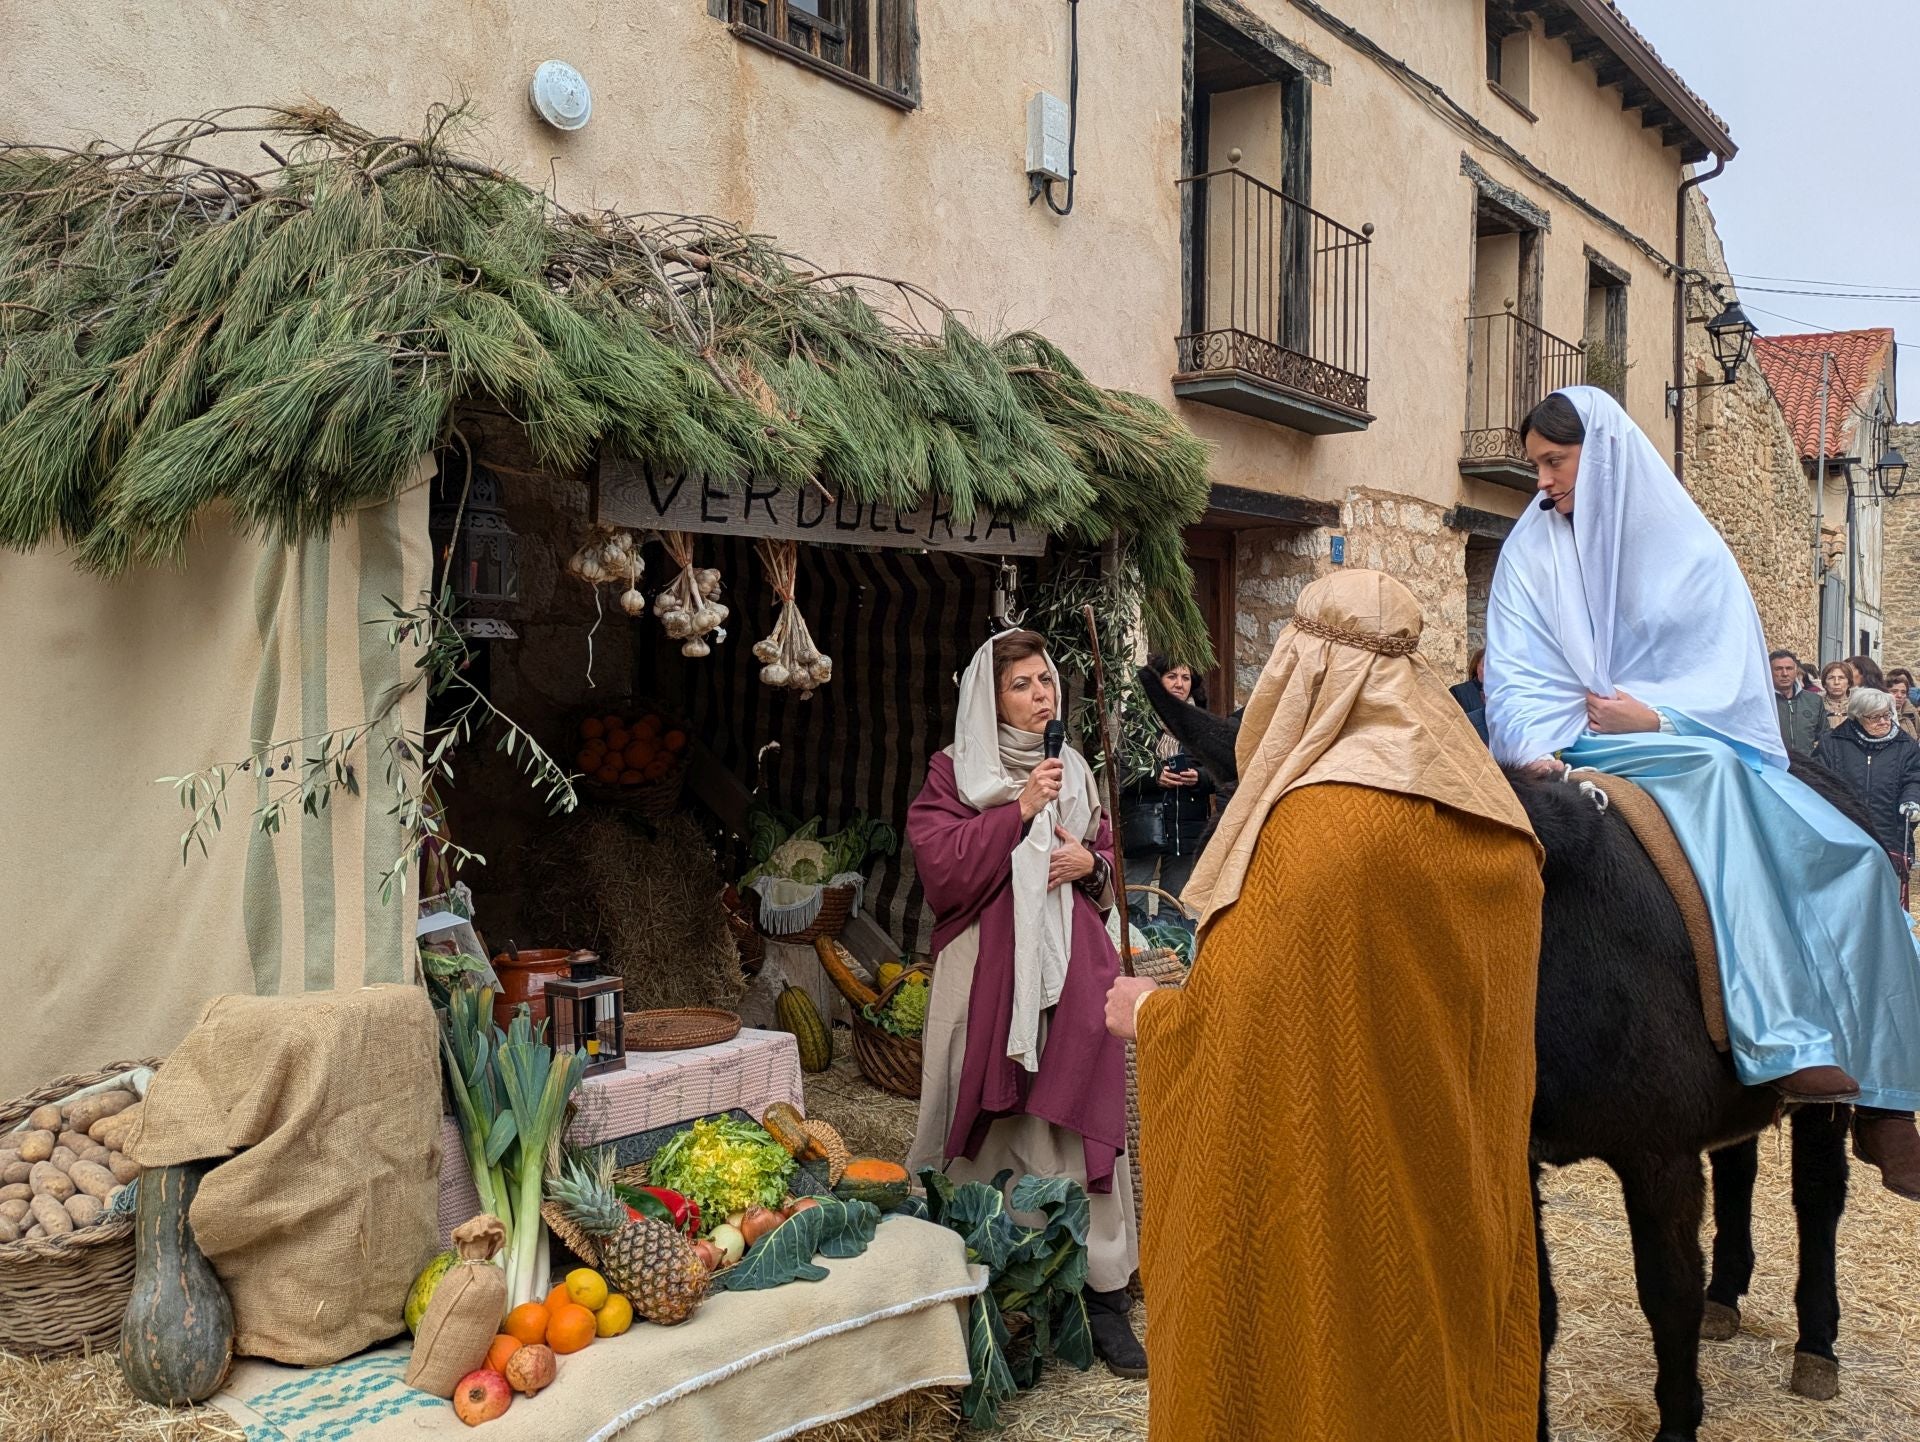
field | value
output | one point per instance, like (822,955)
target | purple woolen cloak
(964,860)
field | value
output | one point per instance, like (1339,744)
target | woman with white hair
(1622,637)
(1880,764)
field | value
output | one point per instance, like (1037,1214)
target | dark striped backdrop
(899,626)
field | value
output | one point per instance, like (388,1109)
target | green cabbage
(724,1165)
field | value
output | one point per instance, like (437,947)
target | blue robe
(1818,962)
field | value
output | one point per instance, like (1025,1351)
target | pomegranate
(482,1395)
(531,1368)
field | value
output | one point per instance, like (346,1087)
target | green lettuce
(724,1165)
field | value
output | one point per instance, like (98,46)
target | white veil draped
(1635,592)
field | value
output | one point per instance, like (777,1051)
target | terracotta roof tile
(1614,5)
(1791,364)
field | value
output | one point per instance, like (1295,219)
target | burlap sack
(466,1311)
(328,1105)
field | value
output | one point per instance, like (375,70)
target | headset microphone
(1546,503)
(1056,734)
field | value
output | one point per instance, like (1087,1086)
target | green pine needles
(177,333)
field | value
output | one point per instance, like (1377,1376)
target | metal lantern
(1891,472)
(1732,336)
(480,552)
(588,1013)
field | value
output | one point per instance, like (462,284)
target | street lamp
(1891,473)
(1732,336)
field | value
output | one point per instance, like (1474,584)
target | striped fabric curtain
(899,627)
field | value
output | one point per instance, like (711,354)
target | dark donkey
(1626,1073)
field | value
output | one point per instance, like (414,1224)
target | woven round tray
(680,1028)
(60,1295)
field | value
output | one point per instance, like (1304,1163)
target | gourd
(176,1342)
(872,1180)
(825,1145)
(786,1126)
(796,1013)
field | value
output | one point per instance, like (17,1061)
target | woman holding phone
(1176,786)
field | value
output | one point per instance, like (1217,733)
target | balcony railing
(1512,365)
(1280,299)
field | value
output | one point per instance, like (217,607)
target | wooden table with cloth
(1338,1237)
(1018,1072)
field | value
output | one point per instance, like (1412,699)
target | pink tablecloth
(657,1089)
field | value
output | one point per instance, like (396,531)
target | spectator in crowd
(1836,680)
(1880,764)
(1800,712)
(1472,692)
(1866,672)
(1900,687)
(1177,791)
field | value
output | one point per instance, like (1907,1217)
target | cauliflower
(799,859)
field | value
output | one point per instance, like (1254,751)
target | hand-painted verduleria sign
(630,496)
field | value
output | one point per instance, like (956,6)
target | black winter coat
(1186,809)
(1883,774)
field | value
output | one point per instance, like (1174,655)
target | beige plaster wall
(1900,583)
(688,118)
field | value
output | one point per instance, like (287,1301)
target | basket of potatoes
(66,1235)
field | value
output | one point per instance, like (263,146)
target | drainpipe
(1680,312)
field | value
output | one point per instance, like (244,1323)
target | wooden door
(1210,554)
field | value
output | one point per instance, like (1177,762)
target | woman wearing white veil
(1622,637)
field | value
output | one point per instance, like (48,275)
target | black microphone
(1546,503)
(1056,738)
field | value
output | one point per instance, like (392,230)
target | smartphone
(1179,761)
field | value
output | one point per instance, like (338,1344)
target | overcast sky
(1821,98)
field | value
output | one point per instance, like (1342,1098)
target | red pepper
(684,1210)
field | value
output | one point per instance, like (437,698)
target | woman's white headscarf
(1634,592)
(991,763)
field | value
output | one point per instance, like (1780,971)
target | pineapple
(652,1264)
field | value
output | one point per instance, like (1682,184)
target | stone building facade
(1900,563)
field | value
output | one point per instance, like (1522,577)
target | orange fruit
(504,1346)
(618,738)
(656,768)
(631,777)
(648,726)
(640,753)
(571,1328)
(609,773)
(675,741)
(593,726)
(528,1322)
(557,1297)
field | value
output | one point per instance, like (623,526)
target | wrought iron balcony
(1512,365)
(1278,325)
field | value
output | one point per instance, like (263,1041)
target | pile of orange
(618,750)
(577,1310)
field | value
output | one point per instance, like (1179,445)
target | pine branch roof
(176,332)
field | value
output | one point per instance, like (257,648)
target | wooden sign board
(629,496)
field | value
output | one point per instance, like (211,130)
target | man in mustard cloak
(1338,1236)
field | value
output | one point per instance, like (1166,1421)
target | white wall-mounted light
(559,95)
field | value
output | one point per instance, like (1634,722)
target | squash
(176,1341)
(786,1126)
(872,1180)
(825,1145)
(796,1013)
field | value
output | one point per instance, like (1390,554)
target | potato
(15,1192)
(73,1141)
(15,1172)
(45,1118)
(85,1211)
(82,1115)
(14,1210)
(49,1181)
(123,1167)
(94,1152)
(9,1231)
(51,1215)
(33,1233)
(36,1146)
(63,1158)
(96,1181)
(114,1130)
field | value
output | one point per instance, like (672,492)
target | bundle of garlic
(611,554)
(690,609)
(789,658)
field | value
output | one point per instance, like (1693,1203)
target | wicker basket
(889,1062)
(1164,966)
(653,800)
(60,1295)
(747,939)
(836,906)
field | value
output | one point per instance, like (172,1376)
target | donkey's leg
(1665,1198)
(1549,1303)
(1735,1169)
(1819,1197)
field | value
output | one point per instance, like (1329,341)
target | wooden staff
(1113,793)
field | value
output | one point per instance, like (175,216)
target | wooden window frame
(871,46)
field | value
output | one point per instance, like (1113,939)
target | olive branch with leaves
(304,773)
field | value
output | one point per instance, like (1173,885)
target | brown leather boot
(1889,1141)
(1819,1085)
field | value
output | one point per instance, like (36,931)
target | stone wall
(1481,561)
(1900,563)
(1405,537)
(1743,468)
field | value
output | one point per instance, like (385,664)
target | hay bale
(931,1414)
(646,898)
